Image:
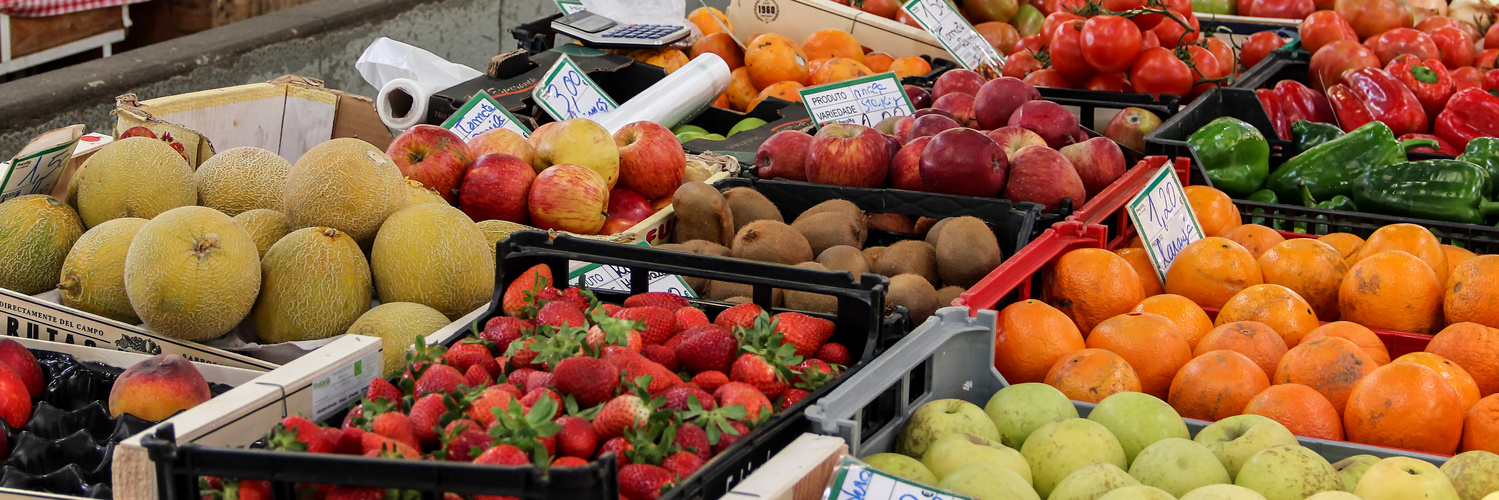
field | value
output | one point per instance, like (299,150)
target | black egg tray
(67,445)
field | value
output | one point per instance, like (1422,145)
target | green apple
(1178,466)
(1019,409)
(939,418)
(1234,439)
(691,135)
(901,466)
(1334,495)
(1405,478)
(985,481)
(1138,420)
(1288,472)
(1351,469)
(1091,482)
(955,451)
(1222,492)
(1059,448)
(1474,474)
(750,123)
(682,129)
(1140,492)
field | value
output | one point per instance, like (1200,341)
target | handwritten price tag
(481,114)
(863,101)
(566,93)
(944,22)
(569,7)
(856,481)
(617,279)
(35,173)
(1164,219)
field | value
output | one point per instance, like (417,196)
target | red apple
(848,155)
(903,130)
(893,144)
(569,197)
(964,161)
(933,111)
(960,105)
(1130,126)
(999,98)
(1014,138)
(957,80)
(502,141)
(433,156)
(15,356)
(784,155)
(1048,119)
(1098,162)
(930,125)
(628,205)
(541,133)
(920,97)
(889,125)
(651,161)
(495,187)
(616,226)
(579,141)
(1042,175)
(905,170)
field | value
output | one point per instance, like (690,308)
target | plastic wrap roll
(676,98)
(402,103)
(406,77)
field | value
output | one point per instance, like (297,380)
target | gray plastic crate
(951,357)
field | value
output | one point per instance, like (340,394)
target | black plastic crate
(859,323)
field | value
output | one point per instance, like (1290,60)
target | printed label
(569,7)
(565,92)
(617,279)
(940,19)
(334,391)
(1164,219)
(481,114)
(862,101)
(857,481)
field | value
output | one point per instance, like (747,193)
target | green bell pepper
(1330,168)
(1339,202)
(1262,196)
(1234,154)
(1306,134)
(1484,152)
(1447,190)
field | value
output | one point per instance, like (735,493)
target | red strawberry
(515,294)
(666,356)
(682,464)
(349,439)
(538,380)
(755,370)
(740,316)
(559,313)
(677,397)
(727,439)
(644,482)
(610,309)
(597,337)
(575,297)
(519,377)
(502,330)
(503,455)
(812,374)
(466,354)
(710,381)
(618,446)
(252,489)
(670,302)
(790,397)
(513,390)
(660,323)
(576,439)
(569,462)
(482,410)
(709,347)
(620,413)
(464,439)
(522,356)
(308,434)
(616,355)
(396,426)
(834,354)
(692,438)
(588,380)
(439,379)
(739,393)
(688,317)
(375,445)
(542,392)
(341,492)
(546,296)
(476,376)
(807,333)
(426,415)
(382,389)
(661,378)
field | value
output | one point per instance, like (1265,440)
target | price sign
(36,171)
(569,7)
(943,21)
(617,279)
(862,101)
(1164,219)
(856,481)
(481,114)
(565,92)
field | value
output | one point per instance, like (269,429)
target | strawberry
(482,409)
(519,377)
(502,330)
(530,430)
(660,323)
(790,397)
(569,462)
(476,376)
(308,433)
(542,392)
(349,439)
(727,439)
(513,390)
(766,361)
(426,417)
(661,378)
(755,370)
(589,380)
(618,446)
(739,316)
(382,389)
(577,297)
(439,379)
(668,301)
(710,381)
(538,380)
(666,356)
(252,489)
(834,354)
(811,374)
(739,393)
(503,455)
(377,445)
(682,464)
(522,290)
(688,317)
(560,313)
(620,413)
(395,425)
(644,482)
(807,333)
(464,439)
(692,438)
(341,492)
(709,347)
(576,439)
(598,337)
(471,353)
(677,397)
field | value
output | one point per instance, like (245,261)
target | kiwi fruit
(771,241)
(895,223)
(915,294)
(872,255)
(931,235)
(808,301)
(908,257)
(701,247)
(738,299)
(841,206)
(924,225)
(967,251)
(702,214)
(749,205)
(946,295)
(725,290)
(844,258)
(830,229)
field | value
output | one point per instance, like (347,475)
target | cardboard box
(796,19)
(798,472)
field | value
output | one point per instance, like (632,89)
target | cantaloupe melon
(36,232)
(192,273)
(496,230)
(433,255)
(313,284)
(242,179)
(397,324)
(93,277)
(134,177)
(265,226)
(346,184)
(416,194)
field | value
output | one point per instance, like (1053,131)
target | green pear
(1234,439)
(988,481)
(1141,492)
(1138,420)
(1091,482)
(1061,447)
(750,123)
(714,137)
(1222,492)
(1334,495)
(955,451)
(1405,478)
(1178,466)
(1474,474)
(1020,409)
(1351,469)
(939,418)
(1288,472)
(682,129)
(691,135)
(901,466)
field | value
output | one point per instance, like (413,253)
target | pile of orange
(1107,324)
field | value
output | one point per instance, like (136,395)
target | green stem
(1410,144)
(1488,208)
(1423,74)
(1306,195)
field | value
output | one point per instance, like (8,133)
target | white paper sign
(617,279)
(1164,219)
(857,481)
(941,20)
(481,114)
(565,92)
(569,7)
(344,385)
(862,101)
(38,166)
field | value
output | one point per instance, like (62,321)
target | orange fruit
(1254,237)
(1405,405)
(1453,374)
(1311,268)
(741,89)
(1481,426)
(1303,411)
(1149,343)
(910,66)
(1250,338)
(1090,375)
(782,90)
(1136,242)
(1216,385)
(832,43)
(1091,285)
(1455,256)
(1215,211)
(878,62)
(1211,270)
(814,65)
(1472,292)
(838,69)
(1001,36)
(1330,365)
(1029,338)
(1190,320)
(1140,260)
(669,59)
(1391,291)
(1411,238)
(774,58)
(1346,244)
(708,20)
(723,101)
(1360,335)
(721,44)
(1475,348)
(1276,306)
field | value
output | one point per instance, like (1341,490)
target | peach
(158,388)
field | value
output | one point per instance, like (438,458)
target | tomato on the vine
(1066,49)
(1323,27)
(1282,9)
(1157,71)
(1204,66)
(1020,64)
(1052,21)
(1329,63)
(1454,45)
(1031,43)
(1224,54)
(1111,82)
(1148,41)
(1122,5)
(1491,38)
(1110,43)
(1399,41)
(1171,33)
(1048,77)
(1432,23)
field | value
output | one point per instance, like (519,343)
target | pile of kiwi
(925,274)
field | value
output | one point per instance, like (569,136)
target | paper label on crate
(856,481)
(569,7)
(344,385)
(861,101)
(37,167)
(481,114)
(565,92)
(1164,219)
(944,22)
(617,279)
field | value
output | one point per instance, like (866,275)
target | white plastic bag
(407,76)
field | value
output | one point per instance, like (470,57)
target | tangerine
(1311,268)
(1475,348)
(1254,237)
(1211,270)
(1140,260)
(1346,244)
(1029,338)
(910,66)
(774,58)
(1215,211)
(1330,365)
(1360,335)
(1405,405)
(1276,306)
(1391,290)
(1455,256)
(1149,343)
(1481,426)
(1091,285)
(1189,318)
(1089,375)
(832,43)
(1303,410)
(1472,292)
(1216,385)
(1253,339)
(1455,375)
(1411,238)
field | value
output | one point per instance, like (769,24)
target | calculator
(599,31)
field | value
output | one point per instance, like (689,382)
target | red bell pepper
(1442,147)
(1373,94)
(1491,80)
(1290,101)
(1471,113)
(1428,80)
(1271,103)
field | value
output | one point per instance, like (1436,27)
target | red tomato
(1491,80)
(1020,64)
(1398,41)
(1051,22)
(1258,47)
(1148,41)
(1323,27)
(1244,7)
(1372,17)
(1431,24)
(1122,5)
(1067,52)
(1111,82)
(1491,39)
(907,20)
(1048,78)
(1329,62)
(1171,33)
(1028,43)
(882,8)
(1486,60)
(1467,76)
(1157,71)
(1454,45)
(1182,6)
(1204,66)
(1224,54)
(1283,9)
(1110,43)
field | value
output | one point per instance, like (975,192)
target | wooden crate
(30,41)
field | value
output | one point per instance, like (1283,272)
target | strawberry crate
(859,322)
